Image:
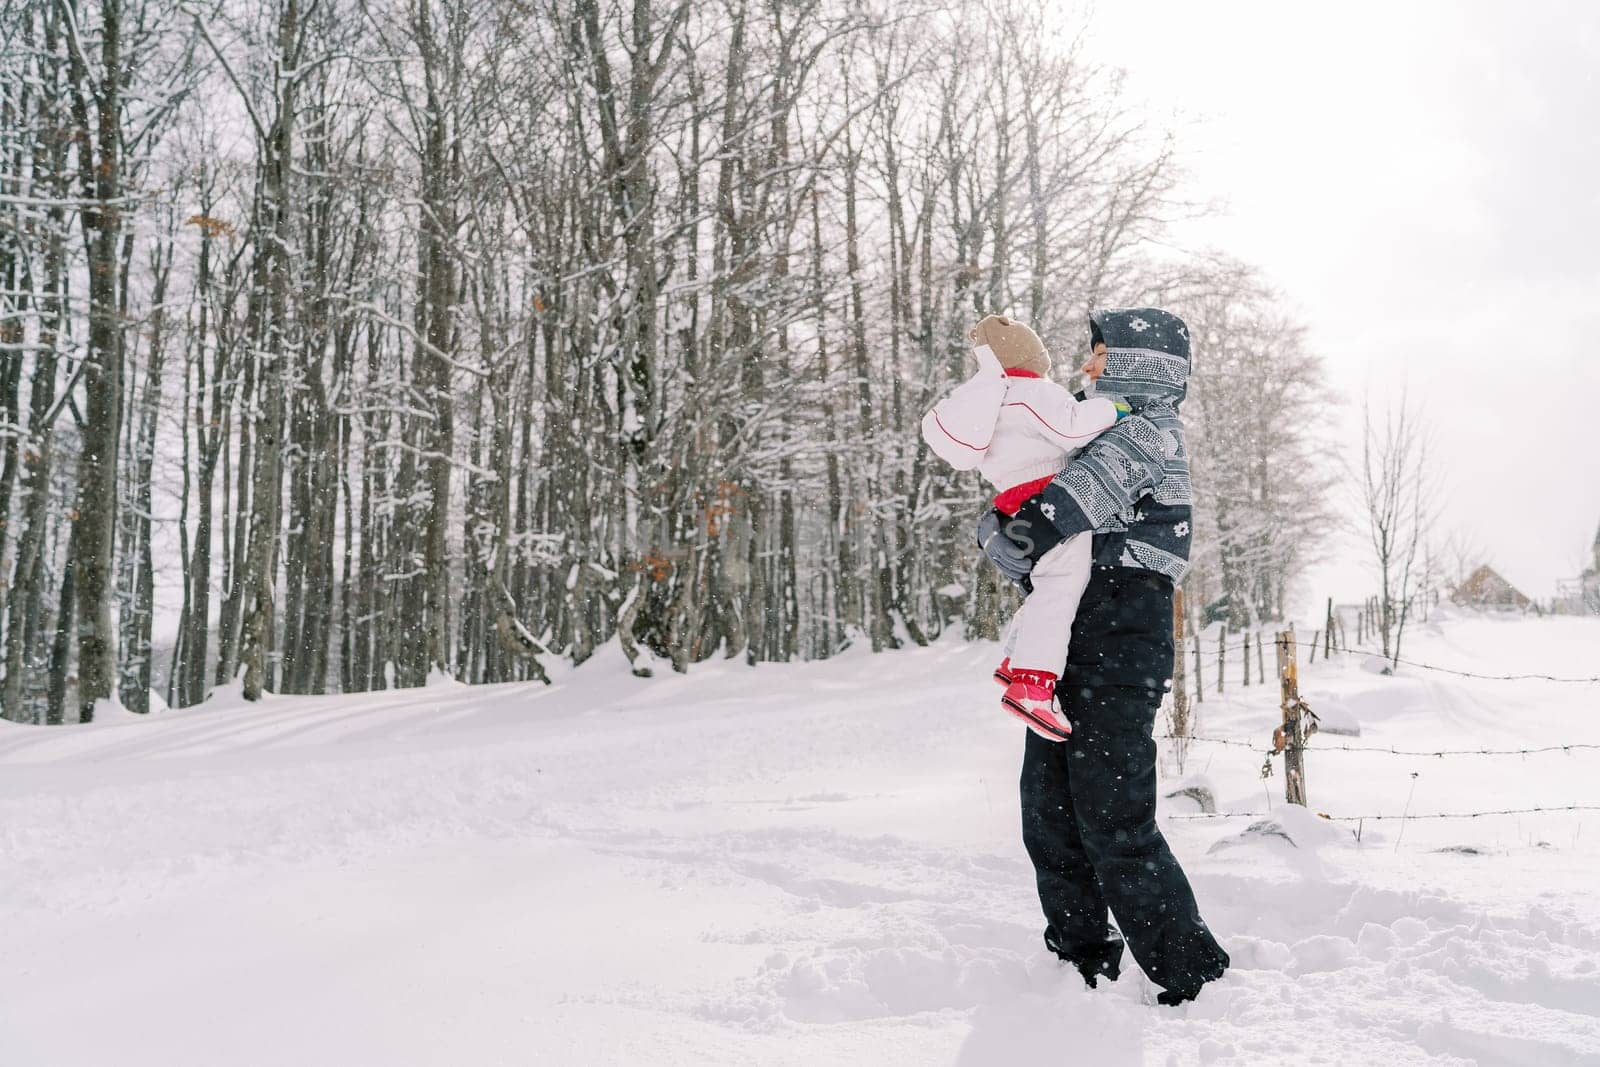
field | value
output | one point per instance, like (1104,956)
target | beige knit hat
(1016,346)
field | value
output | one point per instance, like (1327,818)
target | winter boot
(1031,697)
(1002,673)
(1094,963)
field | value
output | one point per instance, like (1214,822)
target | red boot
(1031,697)
(1002,673)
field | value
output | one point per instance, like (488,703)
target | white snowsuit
(1018,431)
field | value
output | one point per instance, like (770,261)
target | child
(1019,429)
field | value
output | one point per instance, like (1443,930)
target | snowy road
(750,866)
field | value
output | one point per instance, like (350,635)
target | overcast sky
(1423,182)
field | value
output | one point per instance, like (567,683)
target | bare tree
(1397,487)
(97,87)
(1261,477)
(456,337)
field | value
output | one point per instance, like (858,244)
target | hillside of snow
(795,864)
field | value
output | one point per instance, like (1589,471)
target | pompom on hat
(1013,343)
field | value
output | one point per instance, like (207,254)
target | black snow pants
(1089,803)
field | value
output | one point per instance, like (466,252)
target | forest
(349,343)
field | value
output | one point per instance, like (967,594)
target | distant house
(1485,589)
(1591,580)
(1581,595)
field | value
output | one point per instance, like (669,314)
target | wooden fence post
(1294,730)
(1261,660)
(1180,691)
(1222,651)
(1246,681)
(1199,682)
(1327,634)
(1312,654)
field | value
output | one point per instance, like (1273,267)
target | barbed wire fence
(1581,680)
(1392,818)
(1220,654)
(1289,739)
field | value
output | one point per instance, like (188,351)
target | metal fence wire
(1210,687)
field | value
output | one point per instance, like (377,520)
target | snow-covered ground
(816,863)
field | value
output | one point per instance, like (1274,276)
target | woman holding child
(1099,544)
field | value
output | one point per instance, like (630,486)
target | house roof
(1485,588)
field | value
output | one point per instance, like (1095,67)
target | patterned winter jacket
(1131,485)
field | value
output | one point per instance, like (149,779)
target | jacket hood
(1147,354)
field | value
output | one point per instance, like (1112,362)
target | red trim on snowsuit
(953,437)
(1046,425)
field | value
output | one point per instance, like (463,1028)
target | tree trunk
(102,380)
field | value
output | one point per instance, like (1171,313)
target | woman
(1089,804)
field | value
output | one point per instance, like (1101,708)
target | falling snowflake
(1139,324)
(1182,529)
(1049,511)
